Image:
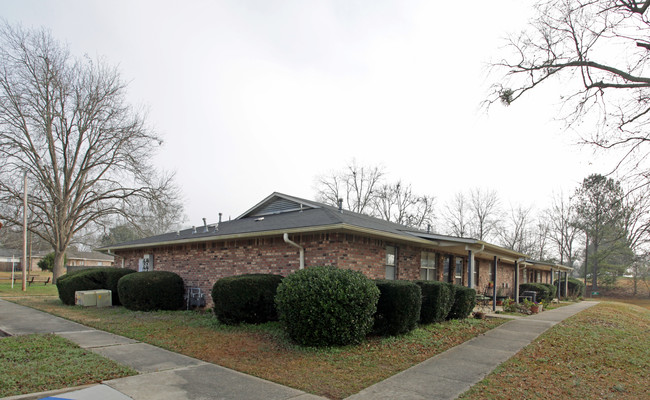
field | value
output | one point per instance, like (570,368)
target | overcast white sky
(253,97)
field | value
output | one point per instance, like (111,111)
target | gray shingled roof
(280,212)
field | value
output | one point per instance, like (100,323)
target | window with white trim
(428,266)
(391,262)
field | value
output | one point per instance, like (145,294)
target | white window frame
(391,265)
(427,259)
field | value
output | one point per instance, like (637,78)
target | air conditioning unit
(104,298)
(86,298)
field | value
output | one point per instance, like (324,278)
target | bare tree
(540,236)
(364,190)
(356,185)
(397,203)
(563,231)
(64,122)
(602,49)
(636,206)
(486,212)
(457,216)
(516,233)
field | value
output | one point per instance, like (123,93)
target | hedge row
(437,300)
(90,279)
(542,290)
(246,298)
(552,289)
(398,309)
(135,290)
(465,300)
(153,290)
(576,288)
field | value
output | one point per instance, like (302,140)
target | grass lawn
(637,301)
(36,289)
(266,352)
(35,363)
(600,353)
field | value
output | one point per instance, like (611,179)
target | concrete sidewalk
(163,374)
(448,375)
(167,375)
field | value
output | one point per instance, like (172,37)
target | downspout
(302,250)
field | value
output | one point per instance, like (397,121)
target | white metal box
(104,298)
(86,298)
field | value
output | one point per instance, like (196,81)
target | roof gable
(278,203)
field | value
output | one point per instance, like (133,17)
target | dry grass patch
(266,352)
(600,353)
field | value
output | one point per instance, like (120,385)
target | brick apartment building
(282,234)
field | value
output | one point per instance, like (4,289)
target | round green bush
(437,299)
(153,290)
(246,298)
(322,306)
(464,303)
(551,289)
(398,308)
(90,279)
(576,288)
(543,292)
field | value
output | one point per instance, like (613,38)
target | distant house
(76,259)
(282,234)
(9,257)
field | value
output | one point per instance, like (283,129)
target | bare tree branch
(66,122)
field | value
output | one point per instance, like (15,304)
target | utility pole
(24,263)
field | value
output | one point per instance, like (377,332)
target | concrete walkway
(448,375)
(167,375)
(164,375)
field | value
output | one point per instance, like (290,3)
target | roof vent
(341,205)
(205,225)
(300,207)
(219,217)
(178,233)
(260,219)
(193,229)
(428,228)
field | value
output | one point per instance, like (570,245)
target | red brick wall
(201,265)
(505,277)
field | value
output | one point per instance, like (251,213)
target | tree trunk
(59,267)
(594,277)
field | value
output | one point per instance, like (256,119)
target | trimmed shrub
(153,290)
(246,298)
(90,279)
(322,306)
(552,290)
(543,292)
(398,308)
(437,299)
(464,303)
(576,288)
